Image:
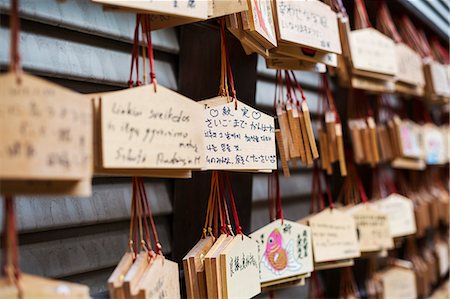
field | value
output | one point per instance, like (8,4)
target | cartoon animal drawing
(277,257)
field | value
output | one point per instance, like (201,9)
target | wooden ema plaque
(242,139)
(239,268)
(194,9)
(398,282)
(408,136)
(261,22)
(159,281)
(285,251)
(400,213)
(289,63)
(433,141)
(194,268)
(218,8)
(46,133)
(41,287)
(437,79)
(294,51)
(115,281)
(372,51)
(409,66)
(373,228)
(308,23)
(334,236)
(212,267)
(141,130)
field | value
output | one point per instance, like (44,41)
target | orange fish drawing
(277,257)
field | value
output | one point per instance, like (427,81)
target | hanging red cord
(233,206)
(229,71)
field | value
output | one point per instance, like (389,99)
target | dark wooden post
(199,75)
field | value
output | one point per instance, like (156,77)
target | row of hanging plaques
(48,145)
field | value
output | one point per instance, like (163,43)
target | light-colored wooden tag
(409,139)
(115,281)
(307,146)
(240,269)
(373,139)
(40,287)
(372,51)
(330,121)
(373,228)
(356,140)
(218,8)
(46,187)
(442,252)
(340,149)
(194,270)
(160,280)
(260,17)
(134,274)
(400,213)
(309,23)
(334,236)
(385,143)
(242,139)
(438,82)
(45,129)
(144,129)
(409,65)
(294,51)
(296,134)
(434,145)
(309,130)
(211,264)
(398,282)
(289,63)
(284,250)
(282,152)
(180,8)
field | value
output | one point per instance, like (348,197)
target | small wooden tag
(284,250)
(298,149)
(144,129)
(398,282)
(400,213)
(373,228)
(372,51)
(309,159)
(340,148)
(212,267)
(309,129)
(41,287)
(282,152)
(160,280)
(46,131)
(260,19)
(373,140)
(409,65)
(330,121)
(240,269)
(408,137)
(334,236)
(194,270)
(434,145)
(238,139)
(115,281)
(180,8)
(301,29)
(357,145)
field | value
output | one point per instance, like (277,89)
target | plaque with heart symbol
(238,137)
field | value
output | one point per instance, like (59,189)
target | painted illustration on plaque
(284,249)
